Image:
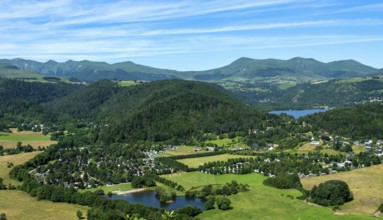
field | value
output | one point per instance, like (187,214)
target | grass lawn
(35,139)
(366,185)
(19,205)
(261,202)
(195,162)
(16,159)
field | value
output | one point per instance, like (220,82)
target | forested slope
(358,122)
(175,109)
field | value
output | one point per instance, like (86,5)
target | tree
(330,193)
(224,203)
(190,211)
(3,216)
(209,204)
(380,208)
(79,214)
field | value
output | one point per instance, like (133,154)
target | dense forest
(359,122)
(333,93)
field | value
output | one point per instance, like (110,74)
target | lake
(148,198)
(298,113)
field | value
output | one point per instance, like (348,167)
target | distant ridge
(244,69)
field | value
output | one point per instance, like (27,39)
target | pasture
(195,162)
(19,205)
(261,202)
(35,139)
(365,183)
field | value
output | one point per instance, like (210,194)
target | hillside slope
(175,110)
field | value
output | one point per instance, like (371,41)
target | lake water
(298,113)
(148,198)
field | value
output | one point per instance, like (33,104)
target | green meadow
(261,202)
(112,188)
(35,139)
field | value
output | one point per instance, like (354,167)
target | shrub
(331,193)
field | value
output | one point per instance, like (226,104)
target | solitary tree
(79,214)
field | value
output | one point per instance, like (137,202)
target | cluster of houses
(370,146)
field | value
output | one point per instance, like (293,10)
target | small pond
(298,113)
(148,198)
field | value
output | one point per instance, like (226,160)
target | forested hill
(22,102)
(158,111)
(358,122)
(175,110)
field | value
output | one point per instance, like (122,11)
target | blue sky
(191,34)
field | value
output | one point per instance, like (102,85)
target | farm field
(19,205)
(16,159)
(195,162)
(261,202)
(366,185)
(35,139)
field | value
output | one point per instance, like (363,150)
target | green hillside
(10,71)
(92,71)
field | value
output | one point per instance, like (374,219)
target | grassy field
(127,83)
(19,205)
(181,150)
(366,185)
(16,159)
(261,202)
(195,162)
(227,142)
(112,188)
(35,139)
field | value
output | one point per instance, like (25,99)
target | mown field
(35,139)
(195,162)
(261,202)
(366,185)
(19,205)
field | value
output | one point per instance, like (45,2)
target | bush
(224,203)
(380,208)
(189,211)
(209,204)
(331,193)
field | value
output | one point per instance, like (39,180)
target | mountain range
(243,70)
